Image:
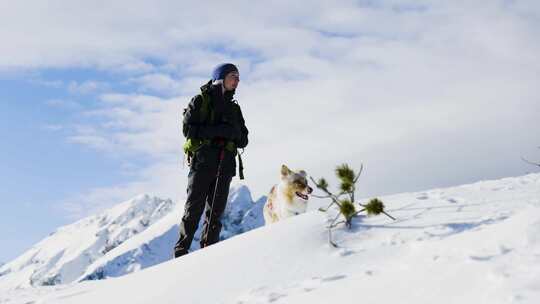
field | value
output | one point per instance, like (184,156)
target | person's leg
(212,230)
(198,184)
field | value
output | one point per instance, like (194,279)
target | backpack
(191,145)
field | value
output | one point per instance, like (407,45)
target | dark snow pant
(201,185)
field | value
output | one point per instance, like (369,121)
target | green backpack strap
(191,144)
(205,109)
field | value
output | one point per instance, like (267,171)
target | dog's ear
(285,171)
(303,173)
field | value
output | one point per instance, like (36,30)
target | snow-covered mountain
(131,236)
(477,243)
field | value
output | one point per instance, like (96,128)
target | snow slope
(65,254)
(477,243)
(129,237)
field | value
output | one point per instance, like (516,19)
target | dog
(288,198)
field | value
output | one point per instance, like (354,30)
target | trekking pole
(218,174)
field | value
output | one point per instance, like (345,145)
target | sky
(424,94)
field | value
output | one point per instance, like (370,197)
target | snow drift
(476,243)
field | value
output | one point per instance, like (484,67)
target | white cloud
(132,124)
(46,83)
(425,93)
(94,141)
(159,83)
(63,103)
(86,87)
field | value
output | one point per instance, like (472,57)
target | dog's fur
(289,197)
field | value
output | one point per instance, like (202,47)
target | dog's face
(296,182)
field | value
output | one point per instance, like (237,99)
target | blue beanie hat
(222,70)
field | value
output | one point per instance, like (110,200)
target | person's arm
(242,141)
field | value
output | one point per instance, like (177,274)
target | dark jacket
(228,124)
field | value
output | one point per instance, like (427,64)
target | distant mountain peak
(132,235)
